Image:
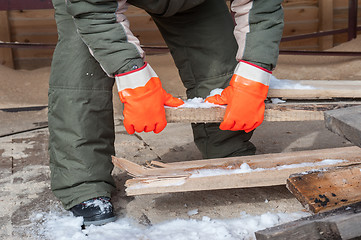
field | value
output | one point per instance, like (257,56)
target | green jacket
(104,28)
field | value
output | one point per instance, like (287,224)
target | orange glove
(245,98)
(144,99)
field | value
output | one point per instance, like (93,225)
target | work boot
(96,211)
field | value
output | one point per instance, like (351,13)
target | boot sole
(100,222)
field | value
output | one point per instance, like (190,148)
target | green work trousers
(81,123)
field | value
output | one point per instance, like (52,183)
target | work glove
(244,97)
(144,99)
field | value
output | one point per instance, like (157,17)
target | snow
(287,84)
(61,225)
(274,84)
(103,206)
(192,212)
(14,148)
(245,168)
(215,92)
(197,103)
(277,100)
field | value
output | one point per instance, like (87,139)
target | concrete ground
(24,172)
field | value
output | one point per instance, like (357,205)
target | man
(96,48)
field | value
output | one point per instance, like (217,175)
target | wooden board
(265,171)
(326,23)
(298,109)
(322,191)
(310,111)
(6,55)
(301,16)
(323,89)
(346,123)
(342,223)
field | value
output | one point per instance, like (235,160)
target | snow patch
(13,148)
(61,225)
(192,212)
(274,84)
(197,103)
(215,92)
(103,206)
(287,84)
(277,100)
(245,168)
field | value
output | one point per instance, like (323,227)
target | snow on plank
(235,172)
(315,89)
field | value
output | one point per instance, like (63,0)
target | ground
(24,159)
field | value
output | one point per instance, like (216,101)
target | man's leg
(203,46)
(81,122)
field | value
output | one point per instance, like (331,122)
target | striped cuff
(136,78)
(253,72)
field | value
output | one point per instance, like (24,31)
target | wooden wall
(38,26)
(307,16)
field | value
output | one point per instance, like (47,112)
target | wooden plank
(32,15)
(301,27)
(346,123)
(28,4)
(322,89)
(314,94)
(259,170)
(274,112)
(326,23)
(311,43)
(341,223)
(268,160)
(6,56)
(289,3)
(326,190)
(300,13)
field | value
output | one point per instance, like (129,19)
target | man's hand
(144,100)
(245,98)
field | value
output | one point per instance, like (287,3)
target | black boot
(96,211)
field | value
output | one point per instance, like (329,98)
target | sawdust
(321,67)
(21,88)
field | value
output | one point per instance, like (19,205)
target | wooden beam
(342,223)
(326,23)
(264,170)
(24,5)
(322,89)
(301,109)
(6,55)
(326,190)
(309,111)
(346,123)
